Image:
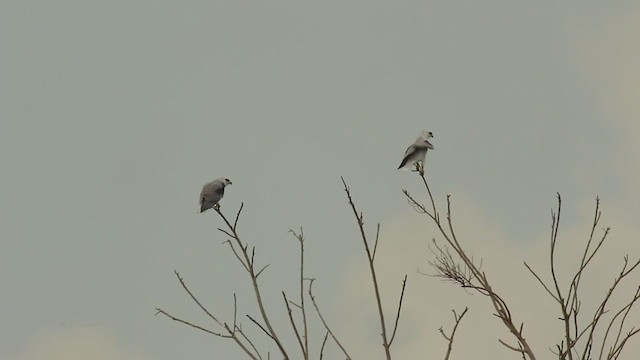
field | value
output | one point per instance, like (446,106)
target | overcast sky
(114,114)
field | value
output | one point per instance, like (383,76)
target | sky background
(114,114)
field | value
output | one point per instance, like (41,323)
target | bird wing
(211,193)
(416,151)
(408,155)
(410,150)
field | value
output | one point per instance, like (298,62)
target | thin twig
(449,338)
(302,307)
(260,326)
(235,223)
(293,324)
(160,311)
(358,216)
(335,339)
(483,286)
(193,297)
(324,342)
(375,244)
(433,204)
(249,266)
(395,327)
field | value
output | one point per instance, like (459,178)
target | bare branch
(450,338)
(235,223)
(324,342)
(446,266)
(540,281)
(248,263)
(359,220)
(335,339)
(245,266)
(260,326)
(300,238)
(375,245)
(160,311)
(395,327)
(193,297)
(261,270)
(225,232)
(239,331)
(433,204)
(511,347)
(293,324)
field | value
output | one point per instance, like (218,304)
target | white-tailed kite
(212,193)
(417,152)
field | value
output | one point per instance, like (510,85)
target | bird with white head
(417,152)
(212,193)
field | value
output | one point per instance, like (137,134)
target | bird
(212,192)
(417,152)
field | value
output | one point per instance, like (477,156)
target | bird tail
(402,164)
(205,206)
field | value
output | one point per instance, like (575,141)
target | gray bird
(417,152)
(212,193)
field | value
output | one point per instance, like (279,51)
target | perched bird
(212,193)
(417,152)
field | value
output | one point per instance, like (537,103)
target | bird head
(426,134)
(226,181)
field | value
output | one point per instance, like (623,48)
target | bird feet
(217,206)
(419,168)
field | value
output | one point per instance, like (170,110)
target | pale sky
(114,114)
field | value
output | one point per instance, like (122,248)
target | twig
(449,338)
(260,326)
(293,324)
(540,281)
(385,341)
(375,244)
(235,223)
(483,286)
(160,311)
(300,238)
(184,286)
(324,342)
(335,339)
(433,204)
(395,327)
(249,265)
(261,270)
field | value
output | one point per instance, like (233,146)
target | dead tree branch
(470,273)
(305,335)
(248,262)
(231,332)
(457,318)
(335,339)
(579,338)
(386,342)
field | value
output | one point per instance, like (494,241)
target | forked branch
(457,318)
(579,337)
(232,332)
(468,274)
(386,340)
